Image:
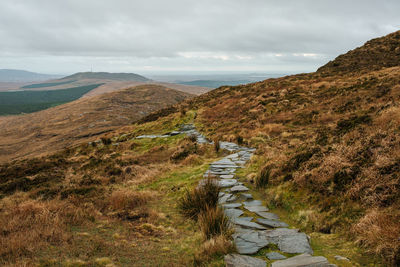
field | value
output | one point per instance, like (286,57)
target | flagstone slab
(256,208)
(239,188)
(252,203)
(303,260)
(267,215)
(272,223)
(249,242)
(236,260)
(247,224)
(233,213)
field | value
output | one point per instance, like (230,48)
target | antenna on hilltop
(91,68)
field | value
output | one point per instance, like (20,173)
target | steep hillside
(76,122)
(375,54)
(107,76)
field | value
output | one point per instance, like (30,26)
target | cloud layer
(186,35)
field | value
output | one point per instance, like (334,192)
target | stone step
(256,208)
(303,260)
(239,188)
(236,260)
(272,223)
(247,224)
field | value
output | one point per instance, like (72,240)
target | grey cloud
(158,33)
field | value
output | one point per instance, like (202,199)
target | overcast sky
(153,36)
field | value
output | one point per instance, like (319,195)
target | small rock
(227,176)
(247,196)
(236,260)
(340,258)
(275,256)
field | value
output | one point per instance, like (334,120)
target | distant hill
(9,75)
(214,83)
(107,76)
(375,54)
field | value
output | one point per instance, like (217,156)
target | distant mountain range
(9,75)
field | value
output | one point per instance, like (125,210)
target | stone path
(255,227)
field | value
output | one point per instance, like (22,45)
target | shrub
(263,178)
(297,160)
(239,139)
(199,199)
(213,222)
(182,110)
(344,126)
(106,140)
(216,145)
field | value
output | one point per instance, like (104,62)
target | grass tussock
(201,204)
(213,222)
(125,199)
(215,247)
(262,179)
(201,198)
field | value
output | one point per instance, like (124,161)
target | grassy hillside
(31,101)
(213,83)
(331,143)
(82,120)
(328,145)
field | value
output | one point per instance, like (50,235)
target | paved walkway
(259,227)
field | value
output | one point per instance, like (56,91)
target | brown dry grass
(125,199)
(213,222)
(216,246)
(380,230)
(27,226)
(83,120)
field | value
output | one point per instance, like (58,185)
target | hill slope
(8,75)
(84,119)
(375,54)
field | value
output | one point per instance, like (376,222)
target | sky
(187,36)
